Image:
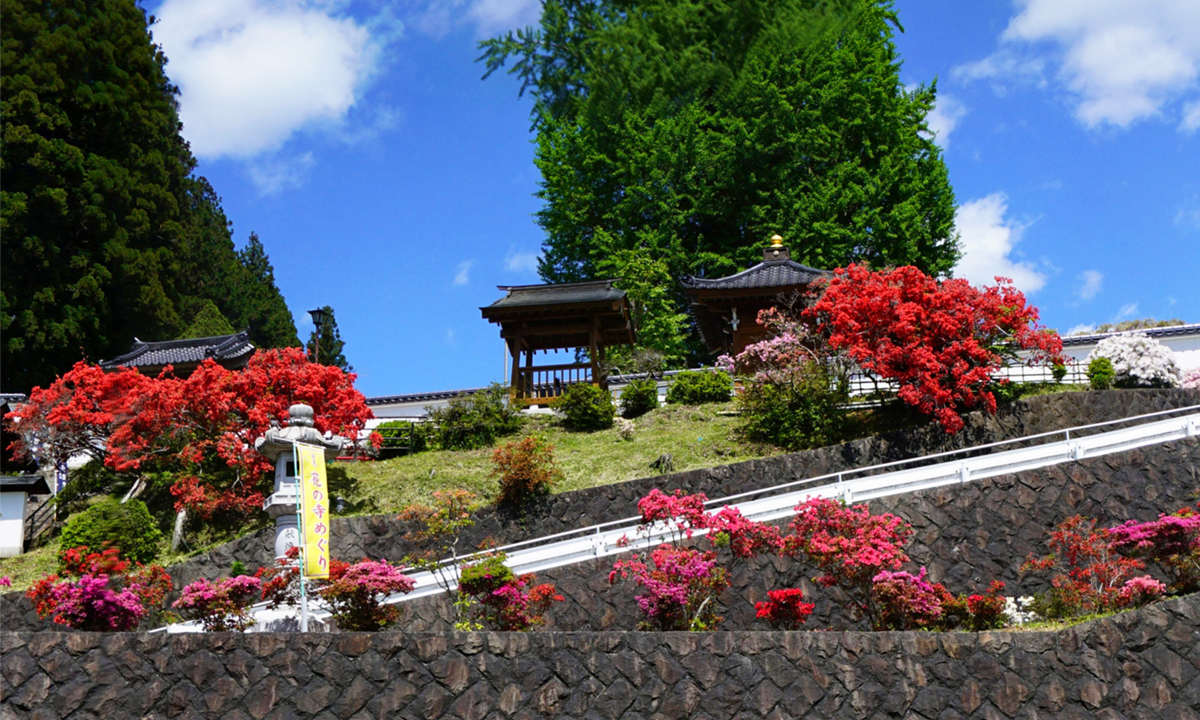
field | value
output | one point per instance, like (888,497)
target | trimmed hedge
(587,407)
(697,387)
(639,397)
(127,527)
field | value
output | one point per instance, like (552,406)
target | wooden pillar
(514,385)
(527,381)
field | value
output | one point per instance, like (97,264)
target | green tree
(691,132)
(329,350)
(208,322)
(261,307)
(107,232)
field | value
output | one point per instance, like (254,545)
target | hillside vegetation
(695,437)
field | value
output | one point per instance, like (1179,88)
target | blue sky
(388,181)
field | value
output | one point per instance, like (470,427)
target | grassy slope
(694,436)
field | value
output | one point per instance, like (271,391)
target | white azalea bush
(1139,361)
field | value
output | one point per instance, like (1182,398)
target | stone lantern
(277,446)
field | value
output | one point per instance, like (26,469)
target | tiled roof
(770,274)
(32,484)
(180,352)
(596,291)
(1158,333)
(6,398)
(420,397)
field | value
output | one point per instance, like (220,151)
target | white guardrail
(857,485)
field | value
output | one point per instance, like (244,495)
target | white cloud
(1084,329)
(464,272)
(1092,282)
(1191,117)
(254,72)
(487,17)
(522,262)
(987,240)
(1120,60)
(1126,311)
(1188,215)
(944,118)
(449,336)
(273,175)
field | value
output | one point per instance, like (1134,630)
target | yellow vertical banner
(314,509)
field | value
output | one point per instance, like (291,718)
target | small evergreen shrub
(697,387)
(524,468)
(474,421)
(403,433)
(587,407)
(804,414)
(1100,373)
(1138,361)
(110,524)
(639,397)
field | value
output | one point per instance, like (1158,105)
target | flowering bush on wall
(941,341)
(506,602)
(785,609)
(440,529)
(1138,361)
(356,593)
(1191,379)
(849,545)
(1172,542)
(905,601)
(99,591)
(1089,574)
(220,606)
(524,469)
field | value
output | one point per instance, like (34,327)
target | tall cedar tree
(107,232)
(329,352)
(690,132)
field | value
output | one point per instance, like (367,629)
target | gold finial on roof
(777,240)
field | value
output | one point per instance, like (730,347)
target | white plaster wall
(12,523)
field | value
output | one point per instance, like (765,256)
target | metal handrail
(610,538)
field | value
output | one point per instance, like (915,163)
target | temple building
(149,358)
(726,309)
(566,316)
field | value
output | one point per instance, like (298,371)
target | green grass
(24,570)
(695,437)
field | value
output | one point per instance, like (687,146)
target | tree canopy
(690,132)
(107,232)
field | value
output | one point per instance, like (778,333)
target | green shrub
(587,407)
(639,397)
(795,416)
(108,523)
(696,387)
(474,421)
(400,433)
(1100,373)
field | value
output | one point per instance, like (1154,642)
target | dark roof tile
(770,274)
(179,352)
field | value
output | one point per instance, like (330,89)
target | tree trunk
(177,534)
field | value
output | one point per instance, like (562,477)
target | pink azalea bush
(905,601)
(220,606)
(356,593)
(681,587)
(99,591)
(1172,542)
(1191,379)
(849,545)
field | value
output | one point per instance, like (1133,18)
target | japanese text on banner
(314,513)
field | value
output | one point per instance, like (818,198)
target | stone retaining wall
(1141,664)
(966,535)
(380,536)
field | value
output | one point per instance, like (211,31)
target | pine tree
(329,350)
(260,306)
(107,232)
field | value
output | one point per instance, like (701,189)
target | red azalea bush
(682,513)
(785,609)
(98,592)
(745,538)
(1171,541)
(356,593)
(201,428)
(220,606)
(1090,575)
(849,545)
(986,611)
(940,341)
